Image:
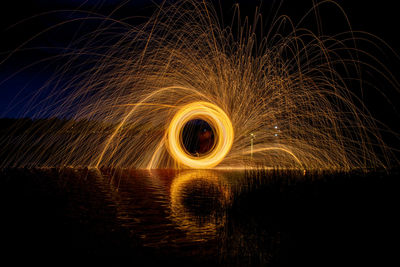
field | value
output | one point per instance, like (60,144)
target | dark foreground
(198,218)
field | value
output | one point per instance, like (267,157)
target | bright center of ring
(200,135)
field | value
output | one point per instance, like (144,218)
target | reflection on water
(165,207)
(198,201)
(187,217)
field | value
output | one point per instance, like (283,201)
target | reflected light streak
(200,226)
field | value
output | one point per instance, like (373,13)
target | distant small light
(276,127)
(276,134)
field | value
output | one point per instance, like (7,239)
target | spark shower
(280,97)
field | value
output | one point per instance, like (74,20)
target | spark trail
(281,92)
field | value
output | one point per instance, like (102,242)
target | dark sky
(377,17)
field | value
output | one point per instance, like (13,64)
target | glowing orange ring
(223,134)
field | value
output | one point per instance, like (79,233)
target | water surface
(197,217)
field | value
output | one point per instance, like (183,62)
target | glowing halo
(216,118)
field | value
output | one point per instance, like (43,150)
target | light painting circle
(216,118)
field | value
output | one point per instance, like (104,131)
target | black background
(376,17)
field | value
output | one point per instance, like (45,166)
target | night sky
(377,17)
